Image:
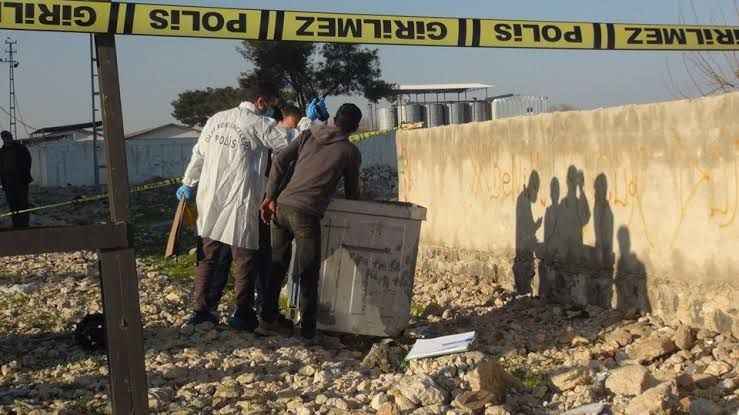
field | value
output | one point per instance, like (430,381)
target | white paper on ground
(440,346)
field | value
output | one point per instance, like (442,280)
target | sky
(53,80)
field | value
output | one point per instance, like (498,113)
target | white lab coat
(228,165)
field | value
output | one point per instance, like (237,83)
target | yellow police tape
(255,24)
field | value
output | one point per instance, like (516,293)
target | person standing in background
(15,177)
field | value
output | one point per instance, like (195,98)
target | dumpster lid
(392,209)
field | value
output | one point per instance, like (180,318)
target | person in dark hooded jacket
(322,156)
(15,176)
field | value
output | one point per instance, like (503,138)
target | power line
(3,109)
(21,120)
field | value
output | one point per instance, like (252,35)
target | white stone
(629,380)
(379,400)
(422,390)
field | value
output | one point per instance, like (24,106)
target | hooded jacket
(322,156)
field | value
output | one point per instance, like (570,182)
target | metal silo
(435,115)
(457,113)
(387,118)
(479,111)
(410,113)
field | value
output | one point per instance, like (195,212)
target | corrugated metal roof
(139,133)
(64,128)
(434,88)
(150,130)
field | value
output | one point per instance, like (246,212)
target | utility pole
(12,64)
(94,109)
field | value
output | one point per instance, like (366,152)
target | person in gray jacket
(322,156)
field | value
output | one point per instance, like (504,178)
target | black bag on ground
(89,333)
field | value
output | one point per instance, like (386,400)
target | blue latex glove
(185,193)
(322,110)
(313,112)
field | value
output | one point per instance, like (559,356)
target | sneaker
(199,317)
(242,323)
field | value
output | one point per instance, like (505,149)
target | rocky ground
(529,358)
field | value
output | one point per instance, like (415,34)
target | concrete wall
(158,158)
(63,163)
(379,150)
(634,206)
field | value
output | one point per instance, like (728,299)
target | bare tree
(710,72)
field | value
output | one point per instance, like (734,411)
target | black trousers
(305,229)
(17,196)
(212,276)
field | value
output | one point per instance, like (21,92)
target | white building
(62,156)
(518,105)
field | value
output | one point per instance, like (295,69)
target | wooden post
(174,233)
(115,145)
(127,374)
(125,341)
(63,239)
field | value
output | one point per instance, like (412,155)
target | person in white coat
(228,166)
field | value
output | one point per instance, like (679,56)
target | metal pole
(95,167)
(372,118)
(13,127)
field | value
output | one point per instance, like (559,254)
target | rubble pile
(530,357)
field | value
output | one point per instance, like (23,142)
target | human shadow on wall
(548,250)
(526,242)
(563,248)
(600,287)
(571,272)
(574,216)
(631,278)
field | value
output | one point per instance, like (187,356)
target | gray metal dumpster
(369,252)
